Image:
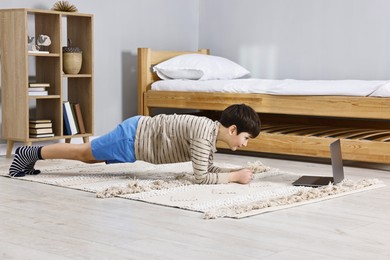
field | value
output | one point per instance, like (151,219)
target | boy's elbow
(203,181)
(200,181)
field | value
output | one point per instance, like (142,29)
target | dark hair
(244,117)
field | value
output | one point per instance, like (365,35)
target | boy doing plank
(159,139)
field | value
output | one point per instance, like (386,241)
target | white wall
(121,26)
(302,39)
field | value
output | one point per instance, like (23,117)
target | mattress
(373,88)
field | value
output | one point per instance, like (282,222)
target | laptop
(337,169)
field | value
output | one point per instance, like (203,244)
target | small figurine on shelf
(41,44)
(43,41)
(32,47)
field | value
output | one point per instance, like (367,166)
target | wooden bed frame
(293,125)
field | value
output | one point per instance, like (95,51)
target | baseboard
(3,146)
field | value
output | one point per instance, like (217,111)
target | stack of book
(40,128)
(73,119)
(38,89)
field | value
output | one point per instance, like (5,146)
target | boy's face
(238,140)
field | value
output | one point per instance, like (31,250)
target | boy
(159,139)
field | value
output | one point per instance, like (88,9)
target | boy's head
(243,117)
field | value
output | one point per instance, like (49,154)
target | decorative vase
(72,62)
(72,59)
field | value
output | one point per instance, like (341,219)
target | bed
(302,125)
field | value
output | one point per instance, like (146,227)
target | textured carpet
(172,185)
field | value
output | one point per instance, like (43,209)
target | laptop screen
(337,161)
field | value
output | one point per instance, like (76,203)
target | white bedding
(374,88)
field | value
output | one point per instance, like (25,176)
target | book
(40,125)
(38,93)
(69,118)
(75,119)
(41,130)
(38,85)
(41,135)
(79,117)
(66,122)
(36,89)
(38,121)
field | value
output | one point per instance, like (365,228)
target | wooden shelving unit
(18,66)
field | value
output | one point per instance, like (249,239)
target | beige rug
(171,185)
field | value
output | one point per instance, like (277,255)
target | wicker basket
(72,62)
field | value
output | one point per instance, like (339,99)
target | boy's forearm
(233,176)
(230,169)
(226,175)
(242,176)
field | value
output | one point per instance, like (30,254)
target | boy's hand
(242,176)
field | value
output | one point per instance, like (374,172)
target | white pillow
(199,67)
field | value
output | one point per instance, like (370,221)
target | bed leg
(147,111)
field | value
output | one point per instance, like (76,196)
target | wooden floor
(40,221)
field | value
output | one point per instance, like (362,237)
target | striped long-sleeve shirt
(180,138)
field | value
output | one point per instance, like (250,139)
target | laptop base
(313,181)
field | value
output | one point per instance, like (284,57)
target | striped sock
(24,161)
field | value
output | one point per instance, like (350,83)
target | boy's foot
(24,161)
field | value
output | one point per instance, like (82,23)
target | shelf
(45,138)
(77,135)
(59,137)
(45,97)
(36,54)
(77,75)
